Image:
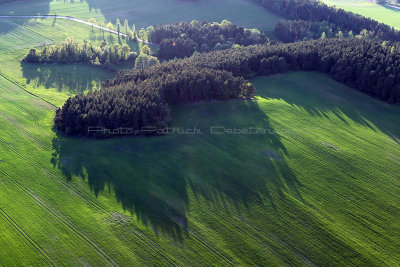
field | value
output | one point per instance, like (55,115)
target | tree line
(316,11)
(136,98)
(182,39)
(368,65)
(71,51)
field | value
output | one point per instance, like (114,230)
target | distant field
(145,13)
(384,14)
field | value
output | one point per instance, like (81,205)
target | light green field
(320,186)
(384,14)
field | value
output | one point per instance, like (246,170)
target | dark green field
(318,184)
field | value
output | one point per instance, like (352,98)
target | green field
(384,14)
(52,83)
(19,38)
(318,185)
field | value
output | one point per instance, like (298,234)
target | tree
(118,26)
(126,26)
(125,52)
(226,23)
(148,31)
(134,32)
(195,23)
(92,21)
(101,25)
(110,27)
(141,33)
(145,50)
(32,56)
(144,61)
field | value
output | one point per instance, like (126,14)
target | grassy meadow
(369,9)
(318,183)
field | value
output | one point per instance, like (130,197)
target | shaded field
(318,184)
(146,13)
(381,13)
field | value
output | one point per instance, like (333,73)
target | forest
(71,51)
(140,97)
(182,39)
(316,11)
(289,31)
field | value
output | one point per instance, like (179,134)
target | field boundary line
(19,86)
(39,142)
(26,28)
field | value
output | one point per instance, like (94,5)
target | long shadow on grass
(76,78)
(156,178)
(25,8)
(320,95)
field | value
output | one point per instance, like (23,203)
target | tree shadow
(151,177)
(326,96)
(75,78)
(17,8)
(395,9)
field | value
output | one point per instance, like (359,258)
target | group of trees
(145,59)
(142,103)
(369,65)
(119,27)
(182,39)
(140,97)
(71,51)
(316,11)
(289,31)
(367,60)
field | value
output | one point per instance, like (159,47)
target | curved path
(77,20)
